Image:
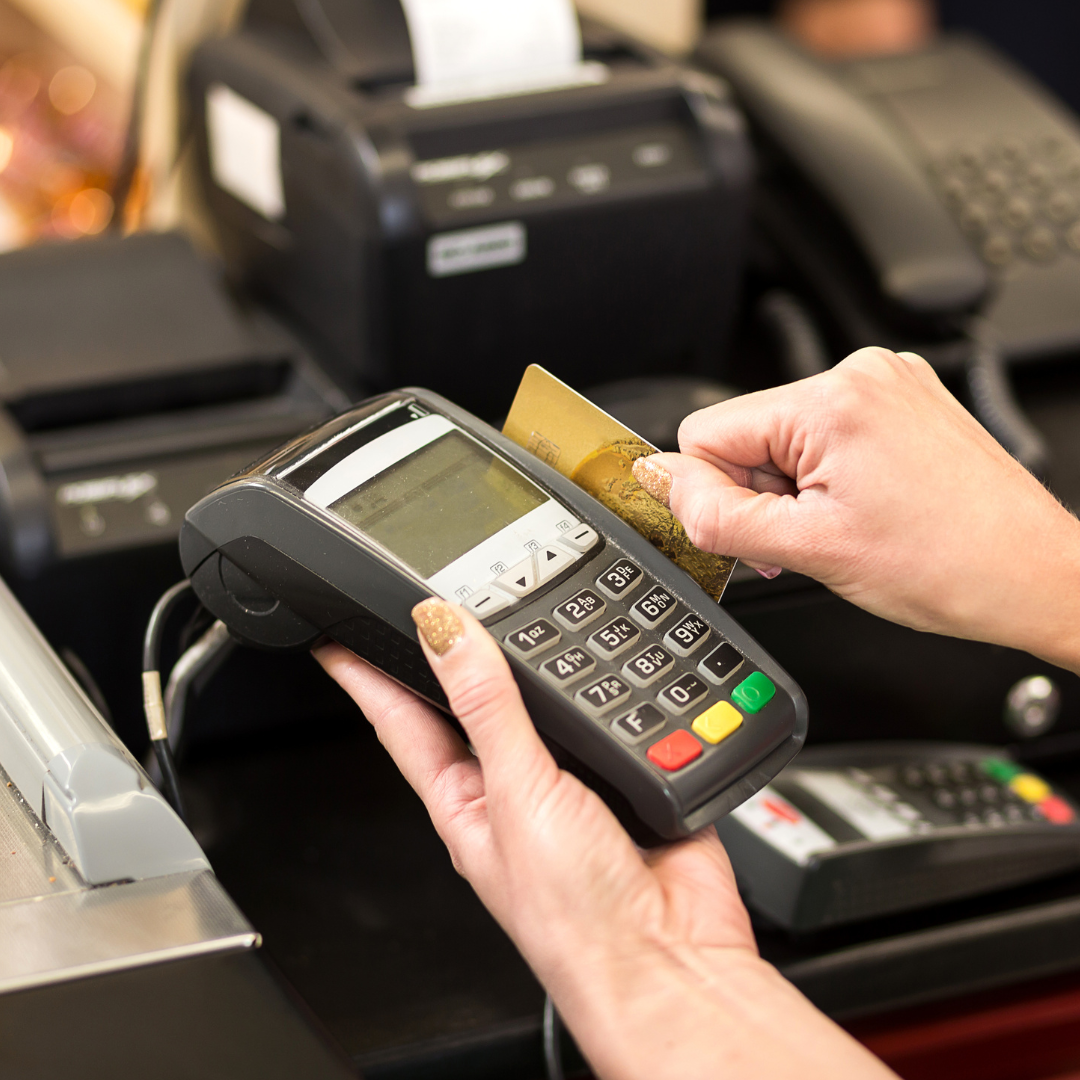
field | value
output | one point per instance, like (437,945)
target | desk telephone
(928,200)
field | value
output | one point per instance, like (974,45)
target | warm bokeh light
(87,213)
(19,85)
(71,89)
(7,148)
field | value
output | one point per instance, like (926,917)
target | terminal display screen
(440,502)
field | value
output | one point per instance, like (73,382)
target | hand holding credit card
(596,452)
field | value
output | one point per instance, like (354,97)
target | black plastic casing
(282,573)
(865,879)
(647,271)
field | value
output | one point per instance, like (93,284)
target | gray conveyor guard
(73,770)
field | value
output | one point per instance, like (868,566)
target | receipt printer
(131,384)
(448,233)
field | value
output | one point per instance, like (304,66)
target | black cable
(132,152)
(152,698)
(553,1067)
(802,350)
(995,406)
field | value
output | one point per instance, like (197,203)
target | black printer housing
(635,275)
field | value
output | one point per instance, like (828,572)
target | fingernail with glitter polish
(654,478)
(439,623)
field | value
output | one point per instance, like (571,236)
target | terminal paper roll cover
(456,42)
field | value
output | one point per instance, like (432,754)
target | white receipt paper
(484,42)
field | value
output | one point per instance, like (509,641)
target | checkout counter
(359,947)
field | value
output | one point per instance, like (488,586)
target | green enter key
(754,693)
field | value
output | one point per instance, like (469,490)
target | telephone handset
(922,262)
(927,200)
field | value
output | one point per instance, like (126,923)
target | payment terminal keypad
(580,610)
(636,661)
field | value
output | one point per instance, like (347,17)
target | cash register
(426,214)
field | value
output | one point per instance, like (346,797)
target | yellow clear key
(1030,788)
(716,724)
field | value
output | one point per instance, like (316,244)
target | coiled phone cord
(153,703)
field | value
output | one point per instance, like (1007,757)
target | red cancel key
(674,752)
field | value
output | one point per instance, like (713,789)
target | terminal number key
(610,640)
(619,579)
(568,666)
(654,608)
(580,610)
(685,691)
(645,668)
(604,694)
(688,636)
(533,639)
(638,724)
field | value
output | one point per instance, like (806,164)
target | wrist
(1044,614)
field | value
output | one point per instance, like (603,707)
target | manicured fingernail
(770,572)
(439,624)
(654,478)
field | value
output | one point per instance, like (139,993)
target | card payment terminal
(637,680)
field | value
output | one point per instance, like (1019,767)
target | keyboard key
(685,691)
(581,538)
(580,610)
(721,663)
(653,609)
(533,639)
(604,694)
(754,693)
(648,666)
(716,724)
(569,666)
(620,579)
(552,561)
(688,636)
(675,751)
(610,640)
(638,724)
(521,580)
(487,602)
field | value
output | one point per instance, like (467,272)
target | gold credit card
(594,450)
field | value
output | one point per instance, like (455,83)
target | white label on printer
(875,819)
(481,167)
(455,42)
(771,817)
(477,249)
(245,151)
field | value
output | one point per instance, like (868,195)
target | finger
(725,518)
(429,753)
(484,697)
